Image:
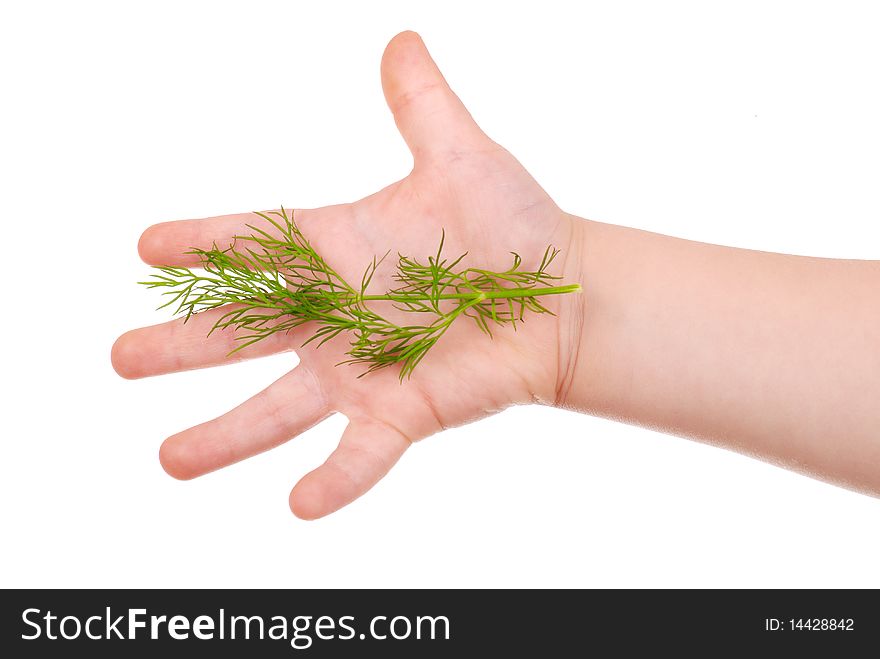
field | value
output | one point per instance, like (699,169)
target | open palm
(488,205)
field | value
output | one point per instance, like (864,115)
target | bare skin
(773,355)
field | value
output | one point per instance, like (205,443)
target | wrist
(572,313)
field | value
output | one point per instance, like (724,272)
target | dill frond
(278,282)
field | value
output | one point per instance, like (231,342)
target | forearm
(773,355)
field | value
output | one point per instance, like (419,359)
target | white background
(744,124)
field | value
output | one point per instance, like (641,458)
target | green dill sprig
(276,282)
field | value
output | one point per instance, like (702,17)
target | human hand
(487,203)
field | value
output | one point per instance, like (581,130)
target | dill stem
(483,295)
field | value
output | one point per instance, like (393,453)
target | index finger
(167,243)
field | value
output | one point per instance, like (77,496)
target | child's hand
(487,203)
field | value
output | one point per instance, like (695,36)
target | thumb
(429,115)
